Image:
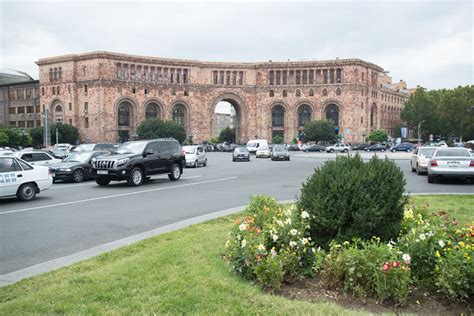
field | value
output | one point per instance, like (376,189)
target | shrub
(270,243)
(348,198)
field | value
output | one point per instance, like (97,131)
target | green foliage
(271,244)
(156,128)
(320,131)
(3,138)
(213,140)
(15,137)
(37,136)
(66,133)
(277,139)
(378,135)
(348,198)
(227,135)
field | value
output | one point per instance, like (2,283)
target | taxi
(17,177)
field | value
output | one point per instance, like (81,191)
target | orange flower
(250,220)
(237,221)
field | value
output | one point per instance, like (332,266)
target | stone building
(19,100)
(107,95)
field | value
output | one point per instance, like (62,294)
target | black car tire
(248,159)
(331,151)
(288,159)
(205,162)
(136,177)
(78,175)
(175,172)
(102,182)
(233,159)
(196,164)
(393,150)
(418,172)
(345,150)
(408,150)
(26,192)
(367,150)
(412,169)
(431,179)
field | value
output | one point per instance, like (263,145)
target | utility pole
(57,136)
(46,128)
(419,132)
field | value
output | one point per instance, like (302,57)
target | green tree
(3,138)
(277,139)
(320,130)
(227,135)
(37,136)
(454,110)
(66,133)
(214,140)
(379,135)
(156,128)
(16,137)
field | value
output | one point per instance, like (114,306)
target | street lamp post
(419,134)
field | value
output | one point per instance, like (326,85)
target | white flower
(304,214)
(242,226)
(406,257)
(292,243)
(288,221)
(389,245)
(319,249)
(441,243)
(305,241)
(293,232)
(313,250)
(261,247)
(275,237)
(227,244)
(422,236)
(239,237)
(280,223)
(429,234)
(273,253)
(244,243)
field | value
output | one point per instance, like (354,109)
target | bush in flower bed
(270,243)
(348,198)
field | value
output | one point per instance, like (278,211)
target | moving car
(317,148)
(254,144)
(420,159)
(280,152)
(451,163)
(36,157)
(195,156)
(403,147)
(263,152)
(376,147)
(19,178)
(343,148)
(241,153)
(56,153)
(76,167)
(361,146)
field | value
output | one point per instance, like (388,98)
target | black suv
(135,161)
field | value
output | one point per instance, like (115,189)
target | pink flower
(395,264)
(386,266)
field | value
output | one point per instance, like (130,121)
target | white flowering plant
(270,243)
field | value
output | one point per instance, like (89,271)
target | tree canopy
(379,135)
(227,135)
(320,131)
(14,137)
(66,134)
(156,128)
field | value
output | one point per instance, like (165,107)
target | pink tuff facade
(107,95)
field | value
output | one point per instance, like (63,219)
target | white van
(255,144)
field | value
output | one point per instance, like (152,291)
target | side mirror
(148,152)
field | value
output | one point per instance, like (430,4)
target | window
(134,90)
(86,122)
(70,106)
(241,77)
(278,77)
(29,93)
(278,115)
(85,89)
(151,111)
(325,76)
(332,114)
(338,75)
(21,110)
(298,93)
(124,114)
(11,110)
(185,76)
(42,91)
(9,165)
(298,77)
(305,77)
(60,73)
(55,74)
(57,90)
(30,109)
(186,93)
(272,93)
(216,77)
(12,95)
(304,114)
(285,93)
(271,78)
(173,91)
(311,92)
(285,78)
(54,90)
(325,92)
(21,124)
(86,107)
(69,88)
(20,94)
(331,75)
(338,91)
(84,71)
(50,74)
(70,121)
(38,123)
(30,124)
(146,91)
(179,114)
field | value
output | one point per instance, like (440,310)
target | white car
(420,159)
(263,152)
(451,163)
(19,178)
(195,156)
(255,144)
(36,157)
(343,148)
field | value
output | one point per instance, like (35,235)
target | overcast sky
(429,43)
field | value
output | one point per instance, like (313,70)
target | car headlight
(122,161)
(93,160)
(65,169)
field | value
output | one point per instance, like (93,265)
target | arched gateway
(238,104)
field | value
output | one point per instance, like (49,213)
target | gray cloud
(427,43)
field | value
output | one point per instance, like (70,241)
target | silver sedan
(420,159)
(451,163)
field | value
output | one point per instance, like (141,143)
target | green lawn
(176,273)
(459,207)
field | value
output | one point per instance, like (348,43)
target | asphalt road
(73,217)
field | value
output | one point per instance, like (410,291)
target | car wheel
(331,151)
(205,162)
(175,173)
(233,159)
(78,175)
(345,151)
(431,179)
(408,150)
(412,169)
(196,164)
(288,159)
(393,150)
(367,150)
(102,182)
(26,192)
(248,159)
(136,177)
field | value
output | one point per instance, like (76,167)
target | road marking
(114,196)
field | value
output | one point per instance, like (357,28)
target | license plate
(453,163)
(102,172)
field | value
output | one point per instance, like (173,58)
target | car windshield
(426,152)
(78,157)
(452,153)
(241,149)
(131,148)
(281,148)
(84,147)
(252,145)
(189,149)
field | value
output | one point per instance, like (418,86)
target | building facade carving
(107,95)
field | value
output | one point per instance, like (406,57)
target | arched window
(50,74)
(57,90)
(338,91)
(55,74)
(298,93)
(60,73)
(178,114)
(124,114)
(311,92)
(58,113)
(304,114)
(151,111)
(42,91)
(285,93)
(332,114)
(85,89)
(325,92)
(54,90)
(278,115)
(272,93)
(373,115)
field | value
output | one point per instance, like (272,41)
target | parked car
(361,146)
(91,147)
(76,167)
(293,147)
(56,153)
(263,152)
(376,147)
(280,152)
(343,148)
(64,147)
(317,148)
(195,156)
(136,161)
(241,153)
(36,157)
(420,159)
(451,163)
(403,147)
(19,178)
(254,144)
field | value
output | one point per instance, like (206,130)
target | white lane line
(114,196)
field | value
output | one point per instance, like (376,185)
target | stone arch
(180,112)
(125,116)
(57,110)
(159,107)
(299,109)
(373,116)
(332,111)
(278,112)
(240,106)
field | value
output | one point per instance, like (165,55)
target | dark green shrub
(348,198)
